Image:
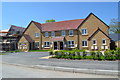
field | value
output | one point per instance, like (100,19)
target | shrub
(89,57)
(117,53)
(84,54)
(110,55)
(51,53)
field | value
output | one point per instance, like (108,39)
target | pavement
(11,71)
(40,60)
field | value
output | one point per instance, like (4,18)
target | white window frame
(93,42)
(104,43)
(47,46)
(53,34)
(46,34)
(84,43)
(63,33)
(71,45)
(84,31)
(70,32)
(36,34)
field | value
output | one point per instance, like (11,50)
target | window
(84,31)
(20,44)
(70,32)
(36,44)
(46,44)
(24,44)
(94,42)
(63,33)
(71,44)
(36,34)
(85,43)
(53,34)
(46,34)
(104,42)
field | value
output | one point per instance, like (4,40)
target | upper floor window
(71,44)
(46,44)
(46,34)
(36,34)
(63,33)
(94,42)
(71,33)
(53,34)
(104,42)
(85,43)
(84,31)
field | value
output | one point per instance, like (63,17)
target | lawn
(3,53)
(39,50)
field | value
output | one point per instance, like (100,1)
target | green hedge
(82,54)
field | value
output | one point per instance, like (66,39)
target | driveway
(33,58)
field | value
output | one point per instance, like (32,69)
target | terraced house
(90,33)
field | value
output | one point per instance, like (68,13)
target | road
(34,58)
(12,71)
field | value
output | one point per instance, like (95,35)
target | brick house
(90,33)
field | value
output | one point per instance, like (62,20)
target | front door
(55,45)
(61,45)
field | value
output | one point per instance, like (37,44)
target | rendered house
(90,33)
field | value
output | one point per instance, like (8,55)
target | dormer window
(71,33)
(36,34)
(46,34)
(84,31)
(63,33)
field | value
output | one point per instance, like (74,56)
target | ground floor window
(36,44)
(84,43)
(20,44)
(104,42)
(71,44)
(46,44)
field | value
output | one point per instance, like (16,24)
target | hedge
(82,54)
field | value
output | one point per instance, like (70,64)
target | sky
(21,13)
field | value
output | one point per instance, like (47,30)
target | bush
(51,53)
(110,55)
(89,57)
(117,53)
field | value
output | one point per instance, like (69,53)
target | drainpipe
(78,38)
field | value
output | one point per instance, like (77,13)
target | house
(10,40)
(115,40)
(90,33)
(3,33)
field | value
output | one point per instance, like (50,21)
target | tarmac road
(33,58)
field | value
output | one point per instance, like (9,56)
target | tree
(52,20)
(114,26)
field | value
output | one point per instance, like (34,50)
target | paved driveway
(33,58)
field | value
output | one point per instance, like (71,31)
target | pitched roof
(114,37)
(96,32)
(28,38)
(58,38)
(62,25)
(21,29)
(37,24)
